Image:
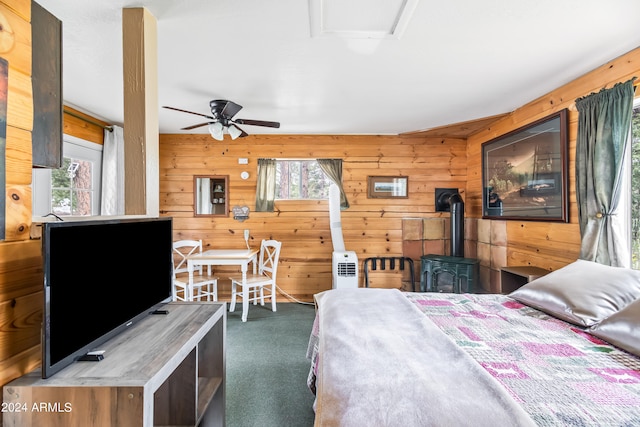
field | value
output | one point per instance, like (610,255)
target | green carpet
(267,367)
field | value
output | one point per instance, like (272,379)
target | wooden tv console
(166,370)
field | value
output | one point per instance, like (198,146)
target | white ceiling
(451,61)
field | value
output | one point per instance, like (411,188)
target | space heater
(344,265)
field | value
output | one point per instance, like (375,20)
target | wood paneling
(20,307)
(457,130)
(371,227)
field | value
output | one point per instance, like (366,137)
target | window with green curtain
(604,129)
(297,179)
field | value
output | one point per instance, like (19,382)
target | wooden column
(140,112)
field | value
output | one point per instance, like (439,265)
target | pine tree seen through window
(71,188)
(301,179)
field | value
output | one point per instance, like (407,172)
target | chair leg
(232,306)
(273,297)
(262,296)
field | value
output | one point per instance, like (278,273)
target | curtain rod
(107,127)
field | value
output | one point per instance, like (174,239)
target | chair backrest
(269,257)
(181,250)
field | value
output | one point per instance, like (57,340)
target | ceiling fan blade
(258,123)
(230,109)
(195,126)
(190,112)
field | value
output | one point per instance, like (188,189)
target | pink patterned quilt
(559,374)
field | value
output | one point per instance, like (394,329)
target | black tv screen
(100,277)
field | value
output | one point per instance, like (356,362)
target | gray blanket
(383,363)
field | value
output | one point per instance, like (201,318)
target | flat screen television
(100,278)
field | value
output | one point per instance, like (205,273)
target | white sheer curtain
(113,172)
(203,196)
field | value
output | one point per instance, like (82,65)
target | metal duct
(457,225)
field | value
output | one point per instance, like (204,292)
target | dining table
(241,257)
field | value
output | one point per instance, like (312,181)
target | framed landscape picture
(524,172)
(387,187)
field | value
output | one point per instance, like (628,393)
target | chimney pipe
(457,225)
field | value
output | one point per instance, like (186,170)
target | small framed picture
(387,187)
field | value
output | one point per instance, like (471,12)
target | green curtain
(604,126)
(266,185)
(333,169)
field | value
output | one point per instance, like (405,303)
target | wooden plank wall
(544,244)
(20,262)
(371,227)
(20,258)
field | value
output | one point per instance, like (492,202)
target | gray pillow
(582,293)
(622,329)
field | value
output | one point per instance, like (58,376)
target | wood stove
(441,273)
(453,273)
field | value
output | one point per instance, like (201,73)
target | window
(635,187)
(74,189)
(301,179)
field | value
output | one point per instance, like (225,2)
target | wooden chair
(256,284)
(207,286)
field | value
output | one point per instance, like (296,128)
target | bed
(562,350)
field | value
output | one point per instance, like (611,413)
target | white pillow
(622,329)
(583,292)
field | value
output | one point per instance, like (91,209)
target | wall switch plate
(243,161)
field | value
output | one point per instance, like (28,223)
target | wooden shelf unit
(166,370)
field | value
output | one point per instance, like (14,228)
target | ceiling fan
(221,119)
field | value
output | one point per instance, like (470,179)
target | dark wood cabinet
(46,77)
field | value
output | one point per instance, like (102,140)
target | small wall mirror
(210,195)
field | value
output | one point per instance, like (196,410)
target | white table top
(238,254)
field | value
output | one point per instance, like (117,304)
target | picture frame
(387,187)
(4,90)
(525,172)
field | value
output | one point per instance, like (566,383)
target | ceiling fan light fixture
(216,130)
(234,132)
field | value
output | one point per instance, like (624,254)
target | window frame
(626,202)
(313,160)
(76,148)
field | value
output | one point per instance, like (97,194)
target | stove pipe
(457,225)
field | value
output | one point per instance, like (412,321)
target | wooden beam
(140,112)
